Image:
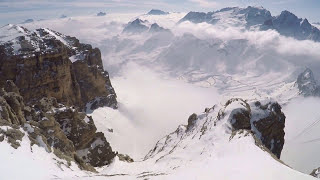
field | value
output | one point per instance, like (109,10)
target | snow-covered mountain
(286,23)
(136,26)
(156,12)
(290,25)
(139,26)
(165,67)
(307,83)
(249,16)
(226,141)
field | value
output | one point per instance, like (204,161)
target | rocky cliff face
(289,24)
(265,120)
(63,130)
(44,63)
(47,80)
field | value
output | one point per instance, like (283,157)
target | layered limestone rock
(47,80)
(68,133)
(45,63)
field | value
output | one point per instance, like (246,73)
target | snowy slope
(33,163)
(204,150)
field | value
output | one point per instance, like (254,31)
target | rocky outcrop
(65,131)
(240,117)
(315,173)
(45,63)
(268,124)
(265,120)
(192,120)
(125,158)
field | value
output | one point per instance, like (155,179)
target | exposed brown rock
(55,127)
(267,122)
(13,135)
(50,72)
(98,152)
(44,87)
(125,158)
(270,129)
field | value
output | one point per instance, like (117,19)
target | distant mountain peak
(306,25)
(156,28)
(136,26)
(140,26)
(157,12)
(252,15)
(101,14)
(287,16)
(307,84)
(286,23)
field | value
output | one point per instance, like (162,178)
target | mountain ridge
(251,16)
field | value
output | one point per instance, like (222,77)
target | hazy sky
(14,11)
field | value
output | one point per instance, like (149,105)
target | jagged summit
(198,17)
(154,28)
(136,26)
(157,12)
(307,84)
(287,23)
(249,16)
(140,26)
